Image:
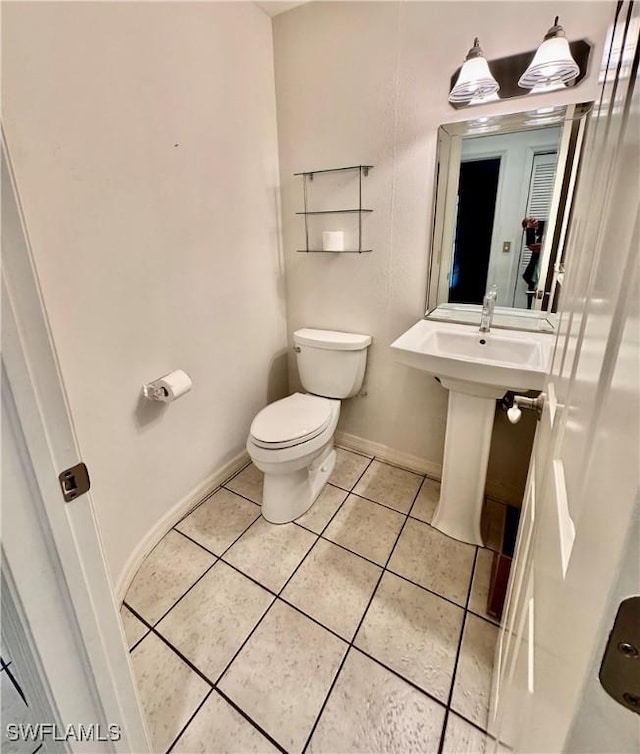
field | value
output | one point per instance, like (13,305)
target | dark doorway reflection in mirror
(474,230)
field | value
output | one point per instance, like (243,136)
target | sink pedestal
(466,455)
(477,368)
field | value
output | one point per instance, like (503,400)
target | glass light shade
(474,81)
(552,63)
(548,86)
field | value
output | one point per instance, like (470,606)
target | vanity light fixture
(553,64)
(475,80)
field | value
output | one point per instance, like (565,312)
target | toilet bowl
(296,467)
(291,440)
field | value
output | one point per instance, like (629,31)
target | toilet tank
(331,363)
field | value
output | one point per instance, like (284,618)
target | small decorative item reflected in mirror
(556,64)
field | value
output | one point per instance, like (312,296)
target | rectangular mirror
(504,187)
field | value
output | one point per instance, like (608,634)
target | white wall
(367,82)
(144,143)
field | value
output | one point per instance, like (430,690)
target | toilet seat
(291,421)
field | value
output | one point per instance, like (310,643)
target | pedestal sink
(476,368)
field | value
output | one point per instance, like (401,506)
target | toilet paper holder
(155,391)
(168,388)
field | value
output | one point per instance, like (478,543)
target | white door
(579,528)
(62,602)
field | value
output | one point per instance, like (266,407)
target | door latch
(74,482)
(620,669)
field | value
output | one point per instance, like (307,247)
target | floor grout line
(351,643)
(295,570)
(360,453)
(370,460)
(268,589)
(306,555)
(249,719)
(293,606)
(472,724)
(400,468)
(214,685)
(202,575)
(317,536)
(184,594)
(195,542)
(236,473)
(244,643)
(408,681)
(210,494)
(337,510)
(331,517)
(207,497)
(138,615)
(455,664)
(382,505)
(183,657)
(239,494)
(144,623)
(277,596)
(483,618)
(337,544)
(399,575)
(186,725)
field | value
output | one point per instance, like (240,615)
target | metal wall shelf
(333,211)
(363,171)
(326,251)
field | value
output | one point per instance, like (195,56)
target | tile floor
(358,628)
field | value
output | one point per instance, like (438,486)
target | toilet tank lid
(331,340)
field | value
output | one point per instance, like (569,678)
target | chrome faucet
(488,305)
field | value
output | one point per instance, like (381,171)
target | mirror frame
(573,119)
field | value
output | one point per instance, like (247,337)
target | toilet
(291,440)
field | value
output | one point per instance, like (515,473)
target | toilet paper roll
(333,240)
(172,386)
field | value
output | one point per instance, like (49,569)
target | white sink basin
(489,363)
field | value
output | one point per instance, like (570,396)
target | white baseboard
(188,502)
(500,493)
(205,488)
(385,453)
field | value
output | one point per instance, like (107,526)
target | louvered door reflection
(543,174)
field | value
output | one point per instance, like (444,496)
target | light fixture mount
(475,51)
(556,30)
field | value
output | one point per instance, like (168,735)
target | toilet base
(286,497)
